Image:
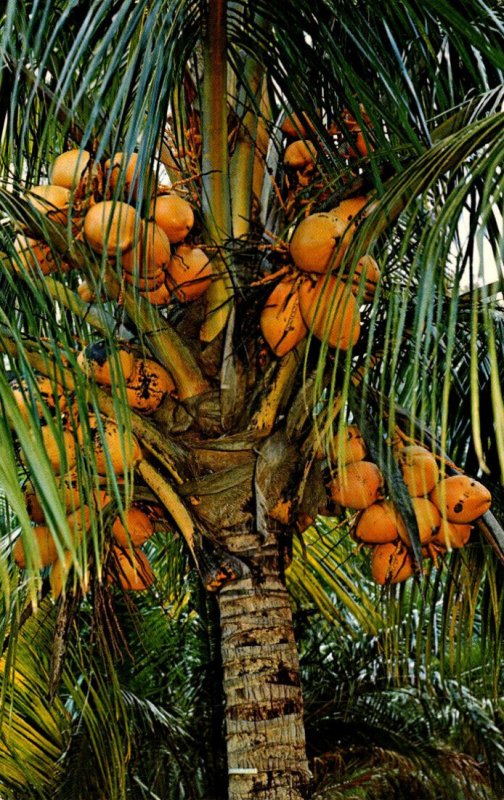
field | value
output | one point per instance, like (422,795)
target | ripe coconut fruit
(158,297)
(281,322)
(131,570)
(52,201)
(419,469)
(150,255)
(350,208)
(329,310)
(189,273)
(300,154)
(121,169)
(348,446)
(174,215)
(47,396)
(68,168)
(45,543)
(145,284)
(34,254)
(428,521)
(123,451)
(452,535)
(148,385)
(379,523)
(367,271)
(391,563)
(99,361)
(318,243)
(295,127)
(357,485)
(58,574)
(110,227)
(59,447)
(138,528)
(460,498)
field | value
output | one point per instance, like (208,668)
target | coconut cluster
(321,294)
(128,566)
(443,506)
(101,204)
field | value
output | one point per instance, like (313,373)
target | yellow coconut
(348,446)
(68,168)
(34,254)
(350,208)
(123,451)
(158,297)
(357,485)
(428,520)
(379,523)
(367,271)
(318,243)
(110,227)
(151,254)
(52,201)
(44,544)
(189,273)
(281,322)
(391,563)
(33,504)
(99,362)
(51,397)
(419,469)
(138,528)
(174,215)
(300,154)
(148,386)
(452,535)
(145,284)
(461,499)
(123,169)
(329,310)
(295,127)
(58,574)
(59,448)
(131,571)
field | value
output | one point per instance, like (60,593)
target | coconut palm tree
(262,353)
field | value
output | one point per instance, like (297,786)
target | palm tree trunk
(264,704)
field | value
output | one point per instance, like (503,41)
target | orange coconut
(132,571)
(317,243)
(59,448)
(357,485)
(428,520)
(157,297)
(33,504)
(58,574)
(124,451)
(67,169)
(460,498)
(123,169)
(281,322)
(150,255)
(419,469)
(86,293)
(145,284)
(329,310)
(98,361)
(34,254)
(295,127)
(138,528)
(300,154)
(391,563)
(148,386)
(174,215)
(379,523)
(348,446)
(367,271)
(49,396)
(189,273)
(110,227)
(350,208)
(45,546)
(452,535)
(52,201)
